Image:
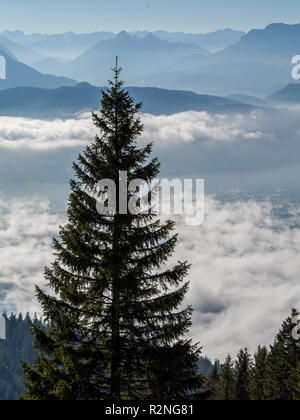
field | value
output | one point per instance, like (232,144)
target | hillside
(290,95)
(19,74)
(66,101)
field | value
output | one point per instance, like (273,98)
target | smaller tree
(258,374)
(242,375)
(213,379)
(225,387)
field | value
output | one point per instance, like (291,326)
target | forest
(270,374)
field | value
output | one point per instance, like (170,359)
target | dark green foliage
(225,388)
(295,383)
(242,376)
(17,346)
(283,358)
(258,374)
(212,380)
(274,375)
(115,328)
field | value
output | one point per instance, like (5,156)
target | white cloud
(26,231)
(189,142)
(187,127)
(244,276)
(41,135)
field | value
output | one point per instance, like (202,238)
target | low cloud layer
(186,143)
(26,231)
(244,276)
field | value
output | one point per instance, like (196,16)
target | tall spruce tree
(212,380)
(115,330)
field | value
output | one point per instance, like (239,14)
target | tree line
(271,374)
(17,346)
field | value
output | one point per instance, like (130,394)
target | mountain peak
(123,36)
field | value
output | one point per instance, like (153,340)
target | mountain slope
(247,99)
(290,95)
(24,54)
(137,56)
(212,41)
(69,45)
(277,43)
(67,101)
(19,74)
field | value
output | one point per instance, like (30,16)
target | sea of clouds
(245,272)
(244,275)
(189,142)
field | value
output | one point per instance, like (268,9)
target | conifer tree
(115,330)
(225,388)
(295,383)
(242,375)
(212,381)
(258,374)
(283,359)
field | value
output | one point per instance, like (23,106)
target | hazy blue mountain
(69,45)
(20,38)
(5,52)
(277,43)
(219,78)
(22,53)
(50,66)
(138,56)
(19,74)
(259,64)
(290,95)
(247,99)
(212,41)
(67,101)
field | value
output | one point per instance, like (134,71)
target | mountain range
(58,45)
(256,64)
(212,41)
(138,56)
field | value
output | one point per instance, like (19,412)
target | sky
(196,16)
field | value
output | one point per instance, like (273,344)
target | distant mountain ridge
(22,53)
(216,40)
(213,41)
(276,43)
(19,74)
(139,56)
(65,102)
(289,95)
(254,64)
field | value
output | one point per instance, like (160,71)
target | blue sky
(172,15)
